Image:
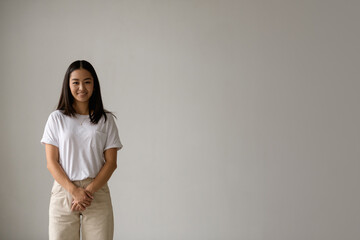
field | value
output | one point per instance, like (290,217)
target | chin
(82,100)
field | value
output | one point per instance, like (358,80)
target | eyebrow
(75,79)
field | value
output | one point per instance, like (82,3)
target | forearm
(102,177)
(60,176)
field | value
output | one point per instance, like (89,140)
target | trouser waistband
(83,183)
(80,183)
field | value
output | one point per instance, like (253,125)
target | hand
(90,189)
(82,195)
(81,199)
(77,207)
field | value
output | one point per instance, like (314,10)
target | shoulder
(56,113)
(109,117)
(109,114)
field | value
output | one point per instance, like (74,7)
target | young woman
(81,143)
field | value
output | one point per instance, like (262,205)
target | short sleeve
(112,138)
(50,135)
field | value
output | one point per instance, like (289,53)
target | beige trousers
(96,222)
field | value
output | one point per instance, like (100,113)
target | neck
(81,108)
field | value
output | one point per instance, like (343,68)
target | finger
(87,199)
(85,203)
(89,194)
(73,207)
(79,207)
(83,206)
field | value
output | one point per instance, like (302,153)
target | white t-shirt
(81,144)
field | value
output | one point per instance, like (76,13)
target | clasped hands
(82,199)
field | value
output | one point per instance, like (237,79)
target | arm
(52,157)
(105,172)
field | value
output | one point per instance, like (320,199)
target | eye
(88,82)
(75,82)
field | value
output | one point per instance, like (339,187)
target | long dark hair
(95,102)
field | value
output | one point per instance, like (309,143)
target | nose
(81,86)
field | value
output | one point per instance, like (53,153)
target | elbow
(49,166)
(114,166)
(111,166)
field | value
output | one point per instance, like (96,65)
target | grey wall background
(239,119)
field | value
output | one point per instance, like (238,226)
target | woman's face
(81,85)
